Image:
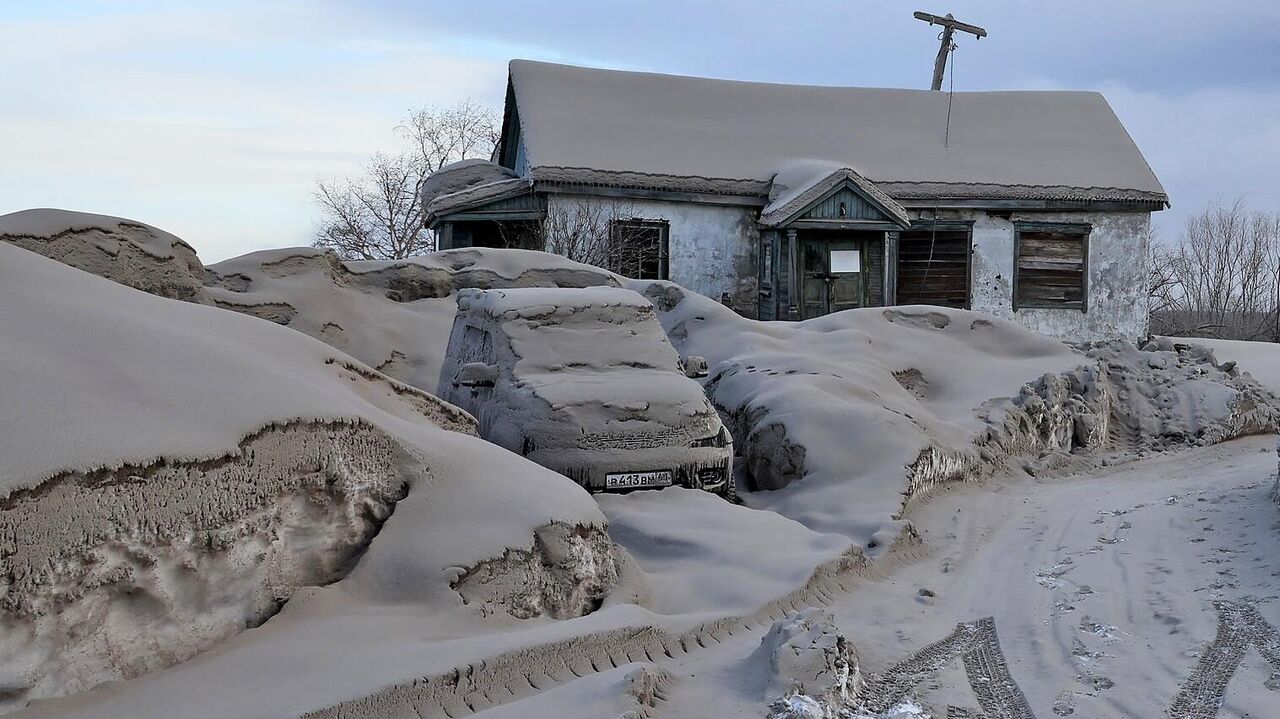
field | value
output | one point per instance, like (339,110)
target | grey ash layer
(717,133)
(433,617)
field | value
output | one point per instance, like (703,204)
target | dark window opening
(506,234)
(639,249)
(1051,267)
(933,267)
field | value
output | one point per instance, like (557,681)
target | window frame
(831,256)
(664,241)
(1084,229)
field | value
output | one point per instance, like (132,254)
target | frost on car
(585,382)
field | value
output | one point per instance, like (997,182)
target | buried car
(585,382)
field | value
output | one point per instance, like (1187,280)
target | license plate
(638,480)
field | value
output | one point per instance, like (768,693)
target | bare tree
(1223,277)
(444,135)
(599,233)
(377,216)
(579,231)
(1162,277)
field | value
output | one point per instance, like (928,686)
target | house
(790,202)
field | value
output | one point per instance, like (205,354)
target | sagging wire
(946,142)
(951,91)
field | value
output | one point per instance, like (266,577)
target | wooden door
(831,275)
(846,286)
(815,298)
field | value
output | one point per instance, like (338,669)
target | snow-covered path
(1102,589)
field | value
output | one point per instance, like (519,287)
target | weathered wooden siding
(519,203)
(933,267)
(873,272)
(785,299)
(1051,267)
(855,208)
(769,279)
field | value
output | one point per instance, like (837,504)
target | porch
(837,242)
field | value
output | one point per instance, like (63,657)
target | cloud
(213,120)
(141,117)
(1205,145)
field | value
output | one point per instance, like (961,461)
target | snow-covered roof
(467,183)
(639,129)
(461,175)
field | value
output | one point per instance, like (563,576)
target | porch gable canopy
(819,194)
(477,189)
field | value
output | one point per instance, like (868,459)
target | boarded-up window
(638,249)
(1052,267)
(933,267)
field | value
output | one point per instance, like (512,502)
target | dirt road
(1104,592)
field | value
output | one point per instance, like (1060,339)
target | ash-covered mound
(393,315)
(850,416)
(813,668)
(1131,401)
(1261,360)
(125,251)
(172,473)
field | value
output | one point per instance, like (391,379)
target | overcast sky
(213,119)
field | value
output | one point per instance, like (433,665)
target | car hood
(631,403)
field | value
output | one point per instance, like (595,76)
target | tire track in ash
(526,671)
(977,645)
(1240,625)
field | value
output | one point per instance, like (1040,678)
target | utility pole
(949,26)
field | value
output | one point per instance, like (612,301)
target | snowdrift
(393,316)
(845,419)
(172,473)
(1259,359)
(129,252)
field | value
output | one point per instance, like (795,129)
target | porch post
(890,268)
(793,272)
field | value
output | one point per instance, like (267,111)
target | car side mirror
(475,375)
(695,367)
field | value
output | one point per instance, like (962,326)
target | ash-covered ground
(232,491)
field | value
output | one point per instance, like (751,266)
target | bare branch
(1223,277)
(377,215)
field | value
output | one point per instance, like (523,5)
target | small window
(1052,267)
(846,261)
(639,249)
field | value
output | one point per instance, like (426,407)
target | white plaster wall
(1117,280)
(713,247)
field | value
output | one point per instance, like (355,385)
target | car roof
(523,302)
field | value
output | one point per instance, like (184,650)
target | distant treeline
(1221,278)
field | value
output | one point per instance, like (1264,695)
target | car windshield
(606,339)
